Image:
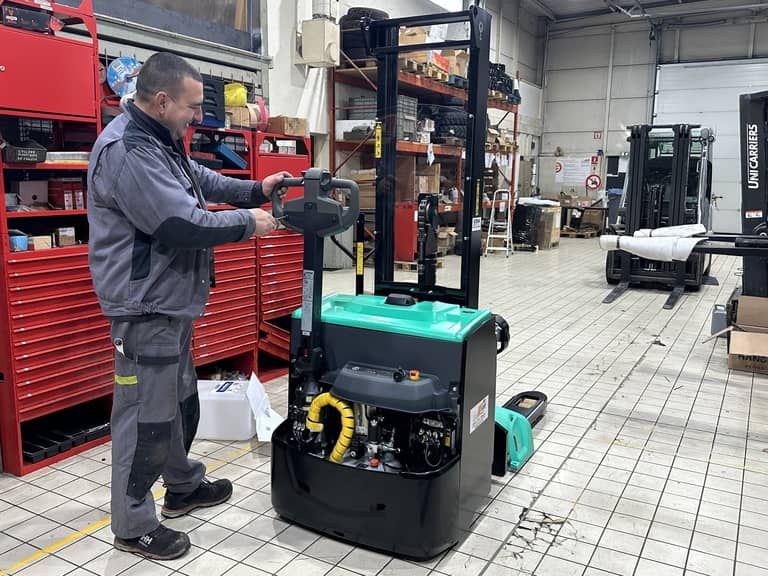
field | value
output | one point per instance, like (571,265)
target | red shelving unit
(56,360)
(280,254)
(55,354)
(229,326)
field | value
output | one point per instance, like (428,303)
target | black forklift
(752,243)
(389,437)
(669,183)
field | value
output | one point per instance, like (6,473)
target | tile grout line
(581,438)
(93,527)
(743,476)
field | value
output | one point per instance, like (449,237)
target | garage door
(707,93)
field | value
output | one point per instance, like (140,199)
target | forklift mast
(670,179)
(382,37)
(754,192)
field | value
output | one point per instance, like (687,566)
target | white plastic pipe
(662,249)
(683,231)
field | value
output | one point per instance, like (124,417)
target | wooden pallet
(408,65)
(431,71)
(414,266)
(571,233)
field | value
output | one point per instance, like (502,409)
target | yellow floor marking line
(91,528)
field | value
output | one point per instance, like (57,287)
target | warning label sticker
(753,214)
(478,414)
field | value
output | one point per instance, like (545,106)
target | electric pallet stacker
(389,437)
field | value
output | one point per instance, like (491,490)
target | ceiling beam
(542,9)
(664,8)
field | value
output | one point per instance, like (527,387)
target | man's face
(183,109)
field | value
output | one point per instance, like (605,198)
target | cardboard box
(428,179)
(40,242)
(414,35)
(65,236)
(458,61)
(288,126)
(748,344)
(446,239)
(247,116)
(239,116)
(595,218)
(31,192)
(548,227)
(405,182)
(366,182)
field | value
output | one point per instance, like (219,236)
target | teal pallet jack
(513,435)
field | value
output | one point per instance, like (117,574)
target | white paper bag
(266,418)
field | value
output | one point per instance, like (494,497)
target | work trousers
(155,412)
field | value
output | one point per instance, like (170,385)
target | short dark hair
(164,71)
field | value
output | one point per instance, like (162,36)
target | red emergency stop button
(413,375)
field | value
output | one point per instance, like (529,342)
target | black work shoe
(160,544)
(207,494)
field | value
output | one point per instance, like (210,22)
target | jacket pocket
(141,256)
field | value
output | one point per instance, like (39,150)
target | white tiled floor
(652,460)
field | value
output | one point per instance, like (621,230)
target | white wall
(517,39)
(708,94)
(596,81)
(576,89)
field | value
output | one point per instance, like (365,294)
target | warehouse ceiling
(564,10)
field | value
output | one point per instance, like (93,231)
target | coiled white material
(662,249)
(683,231)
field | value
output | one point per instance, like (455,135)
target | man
(151,255)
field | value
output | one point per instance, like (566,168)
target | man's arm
(156,203)
(223,189)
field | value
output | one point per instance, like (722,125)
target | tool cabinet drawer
(42,73)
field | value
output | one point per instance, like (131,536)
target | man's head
(170,90)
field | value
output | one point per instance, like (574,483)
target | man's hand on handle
(265,222)
(273,182)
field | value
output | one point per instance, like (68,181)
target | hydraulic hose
(347,422)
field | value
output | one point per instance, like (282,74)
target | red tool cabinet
(55,355)
(280,255)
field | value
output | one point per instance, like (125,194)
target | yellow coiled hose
(347,422)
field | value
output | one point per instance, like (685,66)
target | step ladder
(500,224)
